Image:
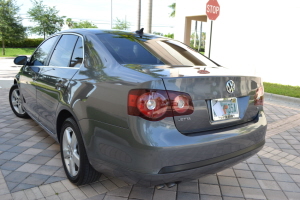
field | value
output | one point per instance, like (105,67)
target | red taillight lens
(155,105)
(181,103)
(152,105)
(259,96)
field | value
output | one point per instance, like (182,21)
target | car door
(30,73)
(53,80)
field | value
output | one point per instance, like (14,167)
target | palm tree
(69,22)
(139,15)
(149,18)
(173,7)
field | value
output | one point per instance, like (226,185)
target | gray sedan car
(147,109)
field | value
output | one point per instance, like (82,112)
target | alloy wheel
(16,101)
(71,154)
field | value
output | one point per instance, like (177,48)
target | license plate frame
(224,109)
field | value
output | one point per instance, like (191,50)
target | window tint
(62,53)
(126,49)
(40,55)
(77,56)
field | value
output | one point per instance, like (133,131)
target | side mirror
(20,60)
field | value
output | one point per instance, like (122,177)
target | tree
(69,22)
(81,24)
(11,27)
(47,19)
(84,24)
(157,33)
(121,25)
(173,7)
(169,35)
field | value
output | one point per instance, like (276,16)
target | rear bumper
(203,163)
(151,155)
(178,176)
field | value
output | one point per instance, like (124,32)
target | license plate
(226,108)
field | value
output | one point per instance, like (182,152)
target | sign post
(212,12)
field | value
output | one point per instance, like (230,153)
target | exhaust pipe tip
(159,187)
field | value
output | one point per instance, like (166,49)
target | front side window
(39,57)
(63,51)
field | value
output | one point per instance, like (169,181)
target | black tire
(81,173)
(15,101)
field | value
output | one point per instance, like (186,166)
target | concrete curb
(7,57)
(6,84)
(284,99)
(14,57)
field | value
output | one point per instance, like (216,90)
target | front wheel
(73,154)
(15,102)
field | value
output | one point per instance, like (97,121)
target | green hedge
(26,43)
(201,49)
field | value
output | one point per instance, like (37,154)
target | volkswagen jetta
(147,109)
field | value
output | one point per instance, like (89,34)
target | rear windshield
(129,48)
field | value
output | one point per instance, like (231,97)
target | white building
(260,37)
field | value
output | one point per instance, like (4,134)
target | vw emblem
(230,86)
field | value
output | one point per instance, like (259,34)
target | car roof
(84,31)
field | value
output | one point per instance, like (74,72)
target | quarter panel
(99,91)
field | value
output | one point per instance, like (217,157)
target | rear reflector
(154,105)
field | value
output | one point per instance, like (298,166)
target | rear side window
(77,56)
(63,51)
(127,50)
(39,57)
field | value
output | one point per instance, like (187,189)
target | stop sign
(212,9)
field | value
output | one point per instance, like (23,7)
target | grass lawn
(286,90)
(14,52)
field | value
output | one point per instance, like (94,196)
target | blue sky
(98,11)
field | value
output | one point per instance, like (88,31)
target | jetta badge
(230,86)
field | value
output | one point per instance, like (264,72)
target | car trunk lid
(205,88)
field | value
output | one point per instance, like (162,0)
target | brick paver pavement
(31,167)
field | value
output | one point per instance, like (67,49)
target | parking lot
(31,167)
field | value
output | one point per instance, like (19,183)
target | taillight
(259,96)
(154,105)
(181,103)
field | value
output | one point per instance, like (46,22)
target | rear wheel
(76,164)
(15,101)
